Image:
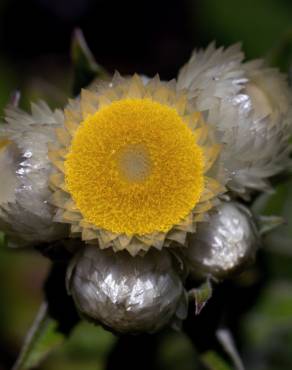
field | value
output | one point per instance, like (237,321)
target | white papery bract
(250,106)
(225,244)
(124,293)
(25,214)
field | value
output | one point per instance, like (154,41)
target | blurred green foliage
(261,25)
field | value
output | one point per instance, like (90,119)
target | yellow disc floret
(134,167)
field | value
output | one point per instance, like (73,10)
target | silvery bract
(250,106)
(226,243)
(25,214)
(125,293)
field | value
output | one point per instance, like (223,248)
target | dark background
(146,37)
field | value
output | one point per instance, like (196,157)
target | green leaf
(42,337)
(85,67)
(201,295)
(213,361)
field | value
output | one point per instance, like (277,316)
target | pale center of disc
(134,163)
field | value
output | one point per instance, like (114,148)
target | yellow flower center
(134,167)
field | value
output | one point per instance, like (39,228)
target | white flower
(250,106)
(25,214)
(136,168)
(127,294)
(226,243)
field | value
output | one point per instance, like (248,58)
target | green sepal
(201,295)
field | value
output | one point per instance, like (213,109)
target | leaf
(213,361)
(84,65)
(201,295)
(42,338)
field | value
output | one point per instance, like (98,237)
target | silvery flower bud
(25,213)
(224,244)
(249,105)
(260,148)
(126,294)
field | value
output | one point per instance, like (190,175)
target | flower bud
(249,105)
(126,294)
(25,213)
(225,244)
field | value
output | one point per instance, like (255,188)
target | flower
(250,106)
(125,293)
(226,243)
(136,167)
(25,214)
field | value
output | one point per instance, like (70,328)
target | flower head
(250,107)
(25,214)
(136,167)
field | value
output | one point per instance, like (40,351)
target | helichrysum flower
(25,214)
(226,243)
(136,166)
(250,106)
(125,293)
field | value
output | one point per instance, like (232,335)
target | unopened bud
(225,244)
(124,293)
